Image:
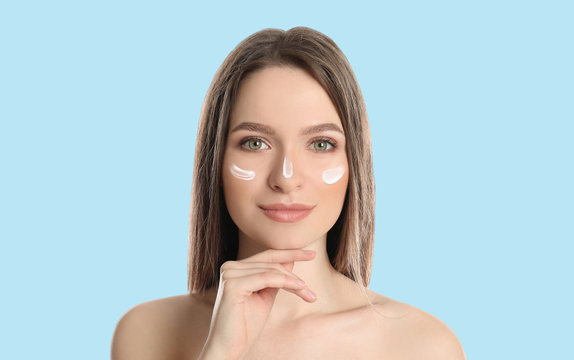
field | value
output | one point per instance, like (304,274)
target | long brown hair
(212,234)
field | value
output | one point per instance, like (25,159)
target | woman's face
(285,170)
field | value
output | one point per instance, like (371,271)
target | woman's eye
(321,145)
(255,144)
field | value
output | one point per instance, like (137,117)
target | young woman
(282,223)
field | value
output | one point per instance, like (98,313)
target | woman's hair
(213,237)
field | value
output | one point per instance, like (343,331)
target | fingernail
(300,282)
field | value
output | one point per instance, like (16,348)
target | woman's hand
(247,290)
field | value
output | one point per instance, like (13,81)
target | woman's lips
(286,213)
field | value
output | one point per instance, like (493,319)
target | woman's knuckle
(226,265)
(226,275)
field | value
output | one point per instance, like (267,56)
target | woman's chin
(282,242)
(281,239)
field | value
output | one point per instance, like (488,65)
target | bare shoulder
(414,333)
(173,327)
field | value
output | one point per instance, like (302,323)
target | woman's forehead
(283,96)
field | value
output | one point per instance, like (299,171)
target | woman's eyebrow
(320,128)
(256,127)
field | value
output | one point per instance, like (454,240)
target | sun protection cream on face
(241,174)
(331,176)
(287,168)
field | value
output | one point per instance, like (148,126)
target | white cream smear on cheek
(241,174)
(331,176)
(287,168)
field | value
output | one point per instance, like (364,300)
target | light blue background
(471,112)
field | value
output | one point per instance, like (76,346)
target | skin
(259,310)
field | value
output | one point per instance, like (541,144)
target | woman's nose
(285,175)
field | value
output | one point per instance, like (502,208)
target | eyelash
(329,141)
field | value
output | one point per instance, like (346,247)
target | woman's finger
(246,285)
(235,273)
(283,267)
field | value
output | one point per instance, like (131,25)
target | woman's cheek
(239,185)
(240,173)
(331,176)
(333,182)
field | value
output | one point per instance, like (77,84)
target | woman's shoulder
(417,333)
(164,328)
